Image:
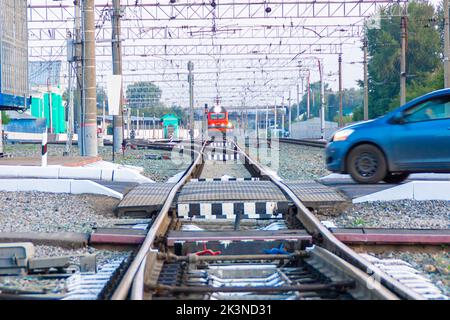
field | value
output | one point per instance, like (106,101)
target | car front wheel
(366,164)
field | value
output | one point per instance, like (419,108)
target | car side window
(433,109)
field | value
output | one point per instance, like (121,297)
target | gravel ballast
(396,214)
(57,285)
(293,162)
(435,266)
(102,256)
(48,213)
(301,162)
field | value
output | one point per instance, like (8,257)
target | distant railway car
(218,120)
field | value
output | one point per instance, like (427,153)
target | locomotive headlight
(230,125)
(343,135)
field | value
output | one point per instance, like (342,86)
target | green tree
(423,58)
(143,94)
(101,96)
(5,118)
(351,100)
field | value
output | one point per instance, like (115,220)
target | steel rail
(323,236)
(338,286)
(139,262)
(305,142)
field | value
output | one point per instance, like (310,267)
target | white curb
(415,190)
(57,186)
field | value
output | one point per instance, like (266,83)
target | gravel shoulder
(301,162)
(47,213)
(395,214)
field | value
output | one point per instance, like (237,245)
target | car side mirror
(398,118)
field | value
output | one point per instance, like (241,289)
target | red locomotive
(218,120)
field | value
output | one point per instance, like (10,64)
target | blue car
(414,138)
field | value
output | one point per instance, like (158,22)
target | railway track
(305,142)
(228,246)
(290,256)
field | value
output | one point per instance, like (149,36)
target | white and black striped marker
(211,211)
(44,152)
(225,179)
(222,157)
(221,144)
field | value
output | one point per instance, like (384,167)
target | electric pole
(341,120)
(322,103)
(308,102)
(191,99)
(257,123)
(298,100)
(290,113)
(276,116)
(69,106)
(403,60)
(366,81)
(138,123)
(50,103)
(89,117)
(446,45)
(78,76)
(117,70)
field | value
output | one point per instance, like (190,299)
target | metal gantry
(194,10)
(233,43)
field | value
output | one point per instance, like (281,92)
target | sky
(352,53)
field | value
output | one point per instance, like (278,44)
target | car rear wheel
(366,164)
(396,177)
